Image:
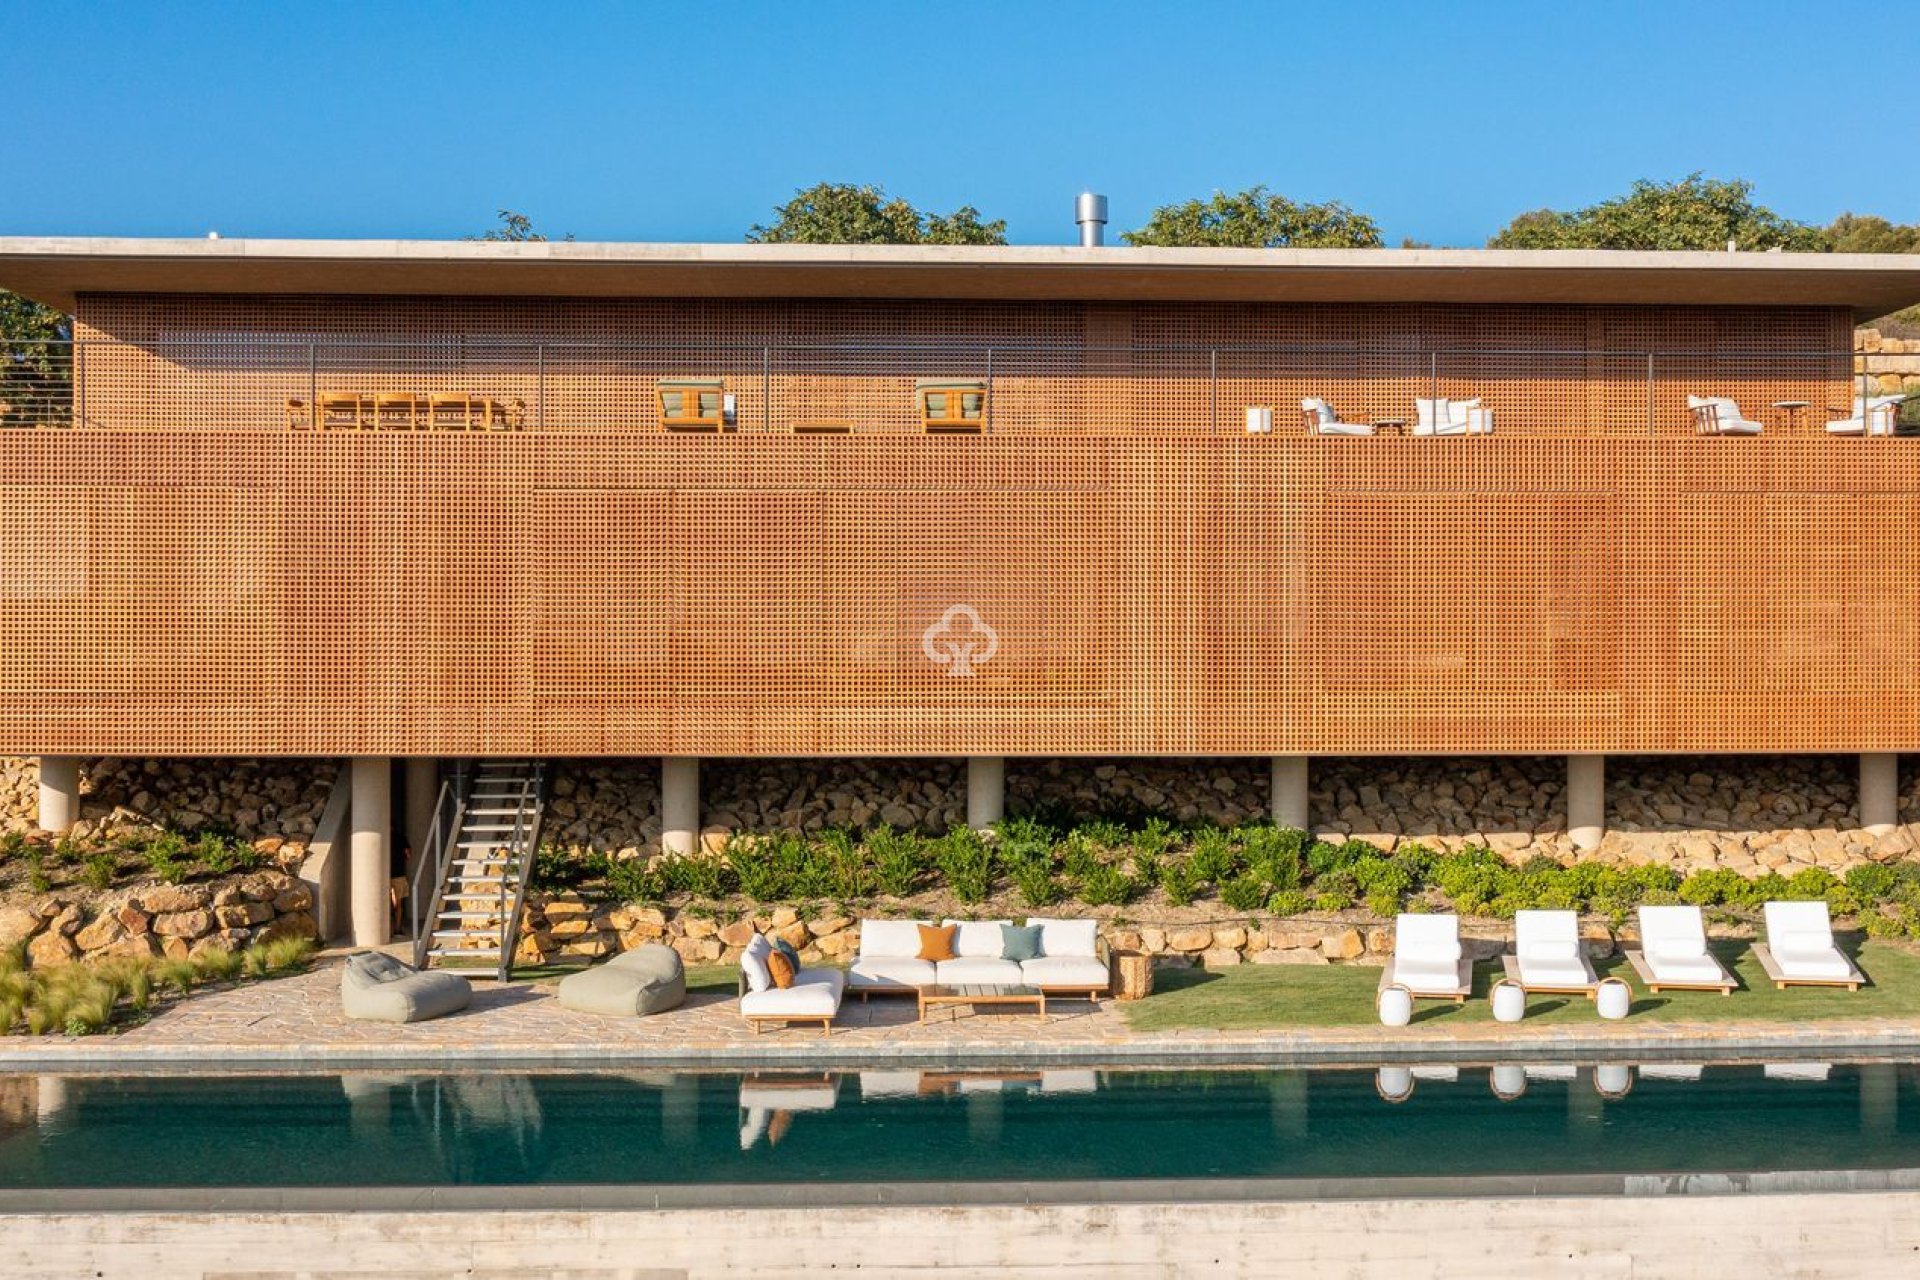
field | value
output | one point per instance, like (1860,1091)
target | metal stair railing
(526,843)
(436,861)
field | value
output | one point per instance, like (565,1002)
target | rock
(298,898)
(1219,957)
(838,944)
(103,932)
(1189,938)
(1292,955)
(183,924)
(1230,937)
(299,924)
(1154,941)
(162,899)
(700,926)
(16,923)
(783,916)
(1282,937)
(51,948)
(830,924)
(134,920)
(737,934)
(1344,945)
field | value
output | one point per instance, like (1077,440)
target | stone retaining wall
(170,921)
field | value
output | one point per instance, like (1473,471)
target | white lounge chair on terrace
(1876,417)
(813,995)
(1427,959)
(1673,952)
(1719,416)
(1445,417)
(1799,948)
(1547,956)
(1320,419)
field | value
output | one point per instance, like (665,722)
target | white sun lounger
(1687,1071)
(1547,956)
(1799,949)
(1427,959)
(1673,953)
(1797,1070)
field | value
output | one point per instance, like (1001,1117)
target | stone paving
(298,1021)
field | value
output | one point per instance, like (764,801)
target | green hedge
(1246,869)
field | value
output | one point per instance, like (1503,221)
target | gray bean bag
(647,979)
(378,988)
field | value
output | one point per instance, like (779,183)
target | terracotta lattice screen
(182,580)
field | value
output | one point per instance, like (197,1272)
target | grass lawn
(1276,997)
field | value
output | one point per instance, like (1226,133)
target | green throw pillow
(1020,942)
(786,949)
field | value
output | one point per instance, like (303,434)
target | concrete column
(1586,800)
(680,804)
(422,788)
(1879,792)
(1289,797)
(59,793)
(986,791)
(368,869)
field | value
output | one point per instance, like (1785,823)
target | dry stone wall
(170,921)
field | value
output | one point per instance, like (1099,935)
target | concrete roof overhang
(55,270)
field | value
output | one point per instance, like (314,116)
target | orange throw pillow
(781,968)
(936,943)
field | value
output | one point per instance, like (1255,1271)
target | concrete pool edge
(814,1051)
(617,1198)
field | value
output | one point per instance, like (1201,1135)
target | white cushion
(753,963)
(890,971)
(1549,971)
(782,1097)
(1672,931)
(1546,935)
(1427,937)
(978,939)
(978,970)
(1808,922)
(1424,973)
(1069,1082)
(1067,937)
(815,993)
(1064,971)
(1428,412)
(1680,967)
(1320,409)
(1345,428)
(1811,962)
(889,1084)
(890,937)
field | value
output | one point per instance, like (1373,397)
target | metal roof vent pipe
(1090,211)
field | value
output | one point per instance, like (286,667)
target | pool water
(506,1129)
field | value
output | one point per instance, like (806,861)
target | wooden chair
(950,406)
(341,410)
(450,411)
(396,411)
(299,413)
(692,404)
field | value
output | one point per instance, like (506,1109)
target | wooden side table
(1792,409)
(1390,426)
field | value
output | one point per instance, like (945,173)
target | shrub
(699,875)
(759,868)
(897,860)
(1080,854)
(1289,902)
(967,864)
(1106,886)
(632,880)
(37,878)
(1872,883)
(1275,854)
(1245,892)
(1180,881)
(1709,888)
(846,863)
(1810,884)
(166,856)
(223,854)
(98,870)
(1034,880)
(1213,858)
(1332,902)
(217,964)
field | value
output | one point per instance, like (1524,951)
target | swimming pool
(507,1129)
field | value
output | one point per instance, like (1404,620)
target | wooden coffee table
(978,994)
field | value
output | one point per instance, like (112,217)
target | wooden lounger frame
(1511,964)
(1458,994)
(1656,985)
(1852,982)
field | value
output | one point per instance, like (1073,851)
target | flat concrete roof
(57,269)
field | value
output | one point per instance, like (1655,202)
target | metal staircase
(470,886)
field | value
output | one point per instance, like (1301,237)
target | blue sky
(689,122)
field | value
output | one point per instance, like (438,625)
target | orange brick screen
(590,366)
(590,594)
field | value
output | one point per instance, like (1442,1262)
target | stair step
(470,915)
(444,954)
(490,937)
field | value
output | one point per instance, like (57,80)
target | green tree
(1256,219)
(1866,233)
(842,213)
(36,364)
(1696,212)
(514,228)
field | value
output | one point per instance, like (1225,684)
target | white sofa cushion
(1320,409)
(985,972)
(891,971)
(1547,971)
(1064,971)
(890,937)
(753,963)
(1067,937)
(1346,428)
(977,939)
(1680,967)
(815,993)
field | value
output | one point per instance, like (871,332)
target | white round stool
(1396,1006)
(1614,998)
(1509,1001)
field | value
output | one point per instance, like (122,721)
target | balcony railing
(255,384)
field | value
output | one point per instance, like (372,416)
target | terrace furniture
(377,988)
(1428,960)
(1132,975)
(1792,409)
(1612,1080)
(646,980)
(1547,956)
(1069,960)
(299,414)
(1814,1071)
(1719,416)
(1673,953)
(1876,416)
(1444,417)
(337,410)
(1390,426)
(397,410)
(453,411)
(1320,419)
(692,404)
(1687,1071)
(948,406)
(972,994)
(813,995)
(1799,949)
(770,1103)
(822,427)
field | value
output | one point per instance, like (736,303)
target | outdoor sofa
(813,995)
(1443,417)
(1873,416)
(1069,962)
(1719,416)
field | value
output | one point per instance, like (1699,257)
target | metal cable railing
(474,384)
